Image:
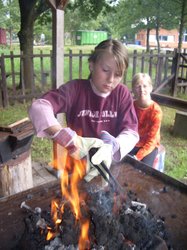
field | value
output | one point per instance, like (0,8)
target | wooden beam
(166,82)
(58,4)
(58,47)
(58,72)
(169,101)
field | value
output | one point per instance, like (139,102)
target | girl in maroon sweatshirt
(99,110)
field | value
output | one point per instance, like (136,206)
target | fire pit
(131,227)
(162,199)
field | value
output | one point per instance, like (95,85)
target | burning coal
(130,227)
(89,218)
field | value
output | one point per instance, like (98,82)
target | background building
(168,38)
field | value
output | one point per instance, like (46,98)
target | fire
(70,177)
(83,240)
(50,234)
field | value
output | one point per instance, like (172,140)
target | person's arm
(122,144)
(43,119)
(127,140)
(46,125)
(128,126)
(152,136)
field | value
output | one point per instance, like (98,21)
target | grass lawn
(176,147)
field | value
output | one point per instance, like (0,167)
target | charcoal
(131,226)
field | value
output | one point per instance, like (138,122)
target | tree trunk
(26,42)
(26,47)
(147,46)
(157,38)
(29,11)
(181,28)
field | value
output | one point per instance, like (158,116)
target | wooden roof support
(58,64)
(57,7)
(58,4)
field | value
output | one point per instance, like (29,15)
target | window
(163,38)
(185,38)
(166,38)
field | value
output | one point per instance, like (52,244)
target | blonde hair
(139,76)
(115,48)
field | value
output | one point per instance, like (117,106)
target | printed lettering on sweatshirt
(98,114)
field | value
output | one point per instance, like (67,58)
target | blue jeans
(148,159)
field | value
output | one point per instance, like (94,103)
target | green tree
(132,16)
(180,13)
(30,11)
(33,9)
(75,20)
(10,17)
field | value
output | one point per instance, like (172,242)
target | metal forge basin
(165,197)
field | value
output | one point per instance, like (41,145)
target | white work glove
(104,154)
(78,147)
(109,139)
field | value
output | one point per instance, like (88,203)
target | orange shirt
(149,123)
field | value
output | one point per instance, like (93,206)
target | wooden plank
(184,84)
(4,93)
(143,61)
(80,64)
(182,65)
(25,122)
(183,56)
(166,82)
(135,56)
(169,101)
(182,79)
(151,63)
(70,65)
(13,72)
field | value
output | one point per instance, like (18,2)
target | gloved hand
(78,147)
(109,139)
(104,154)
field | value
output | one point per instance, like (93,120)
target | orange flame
(71,174)
(50,234)
(83,240)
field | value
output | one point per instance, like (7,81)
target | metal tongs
(106,173)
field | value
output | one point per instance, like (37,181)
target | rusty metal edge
(155,173)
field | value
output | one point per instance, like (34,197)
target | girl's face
(104,74)
(142,89)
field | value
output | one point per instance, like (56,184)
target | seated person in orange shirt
(149,116)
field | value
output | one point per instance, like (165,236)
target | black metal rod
(111,180)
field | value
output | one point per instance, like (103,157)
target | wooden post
(135,56)
(3,83)
(16,175)
(175,68)
(58,66)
